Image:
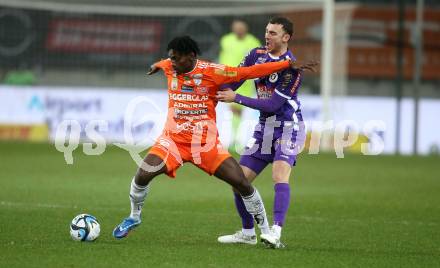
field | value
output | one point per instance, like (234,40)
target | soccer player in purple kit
(280,133)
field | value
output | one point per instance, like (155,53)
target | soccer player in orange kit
(190,133)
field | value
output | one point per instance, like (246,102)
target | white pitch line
(298,217)
(51,206)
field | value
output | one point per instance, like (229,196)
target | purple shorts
(260,151)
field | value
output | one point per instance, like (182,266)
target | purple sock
(246,219)
(281,203)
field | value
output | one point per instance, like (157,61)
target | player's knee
(244,187)
(143,177)
(281,172)
(280,178)
(150,168)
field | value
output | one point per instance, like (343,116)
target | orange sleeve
(236,74)
(163,64)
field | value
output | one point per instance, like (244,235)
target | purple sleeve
(247,61)
(268,105)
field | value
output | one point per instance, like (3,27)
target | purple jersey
(280,133)
(284,83)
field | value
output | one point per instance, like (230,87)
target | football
(84,227)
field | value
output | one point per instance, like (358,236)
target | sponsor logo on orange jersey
(226,73)
(197,78)
(201,90)
(187,97)
(187,89)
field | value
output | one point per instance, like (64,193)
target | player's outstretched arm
(286,87)
(307,66)
(261,70)
(265,105)
(153,69)
(235,74)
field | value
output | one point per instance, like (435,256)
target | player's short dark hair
(184,45)
(286,23)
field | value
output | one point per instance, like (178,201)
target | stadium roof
(164,7)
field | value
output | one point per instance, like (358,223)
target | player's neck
(278,52)
(190,68)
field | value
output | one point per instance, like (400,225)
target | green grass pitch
(360,211)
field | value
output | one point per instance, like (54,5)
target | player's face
(240,29)
(276,38)
(181,63)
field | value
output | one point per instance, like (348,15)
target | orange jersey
(191,97)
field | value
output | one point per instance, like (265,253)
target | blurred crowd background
(110,44)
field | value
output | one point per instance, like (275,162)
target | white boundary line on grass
(4,203)
(50,206)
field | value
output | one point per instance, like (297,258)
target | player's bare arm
(307,66)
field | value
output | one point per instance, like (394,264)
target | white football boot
(238,237)
(272,239)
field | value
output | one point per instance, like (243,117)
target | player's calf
(255,206)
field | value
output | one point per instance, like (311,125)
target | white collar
(273,57)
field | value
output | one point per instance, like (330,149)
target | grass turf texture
(360,211)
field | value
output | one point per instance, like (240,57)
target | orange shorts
(175,154)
